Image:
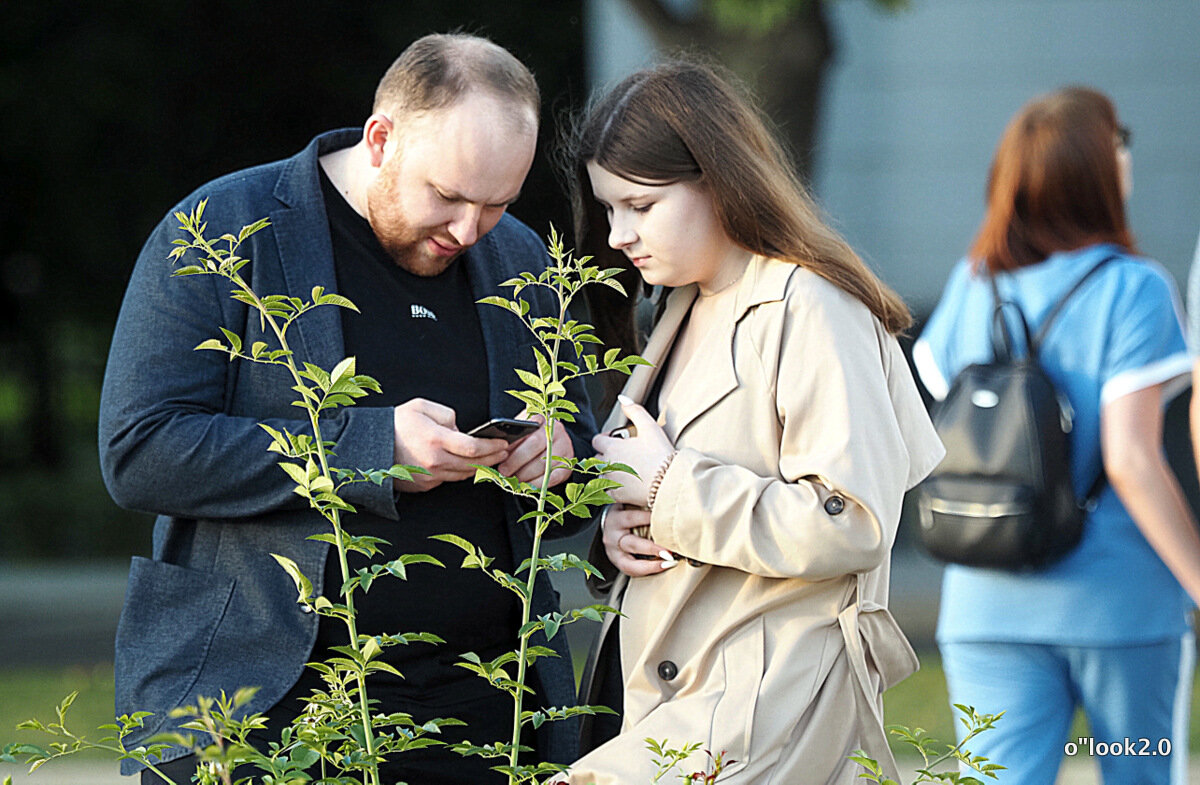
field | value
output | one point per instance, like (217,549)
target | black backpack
(1002,497)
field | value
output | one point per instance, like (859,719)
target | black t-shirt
(420,337)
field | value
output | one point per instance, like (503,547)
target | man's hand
(426,435)
(526,459)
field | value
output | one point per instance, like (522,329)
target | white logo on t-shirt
(421,312)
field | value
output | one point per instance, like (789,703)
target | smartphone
(504,428)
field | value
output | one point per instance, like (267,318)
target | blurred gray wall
(916,101)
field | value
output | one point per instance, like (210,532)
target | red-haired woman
(1105,628)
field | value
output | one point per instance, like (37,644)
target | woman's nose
(620,234)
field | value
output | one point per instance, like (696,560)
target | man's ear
(376,132)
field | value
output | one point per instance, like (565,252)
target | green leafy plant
(339,732)
(667,759)
(354,740)
(561,354)
(35,756)
(935,753)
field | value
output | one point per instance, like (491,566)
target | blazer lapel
(505,342)
(306,250)
(306,266)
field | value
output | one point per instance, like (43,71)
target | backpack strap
(1002,342)
(1034,344)
(1058,306)
(1093,495)
(1088,503)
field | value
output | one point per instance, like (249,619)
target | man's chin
(425,265)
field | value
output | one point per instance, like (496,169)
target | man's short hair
(436,70)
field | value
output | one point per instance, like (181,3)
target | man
(407,219)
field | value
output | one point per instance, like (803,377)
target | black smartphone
(504,428)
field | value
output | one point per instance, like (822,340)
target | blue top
(1193,304)
(1121,332)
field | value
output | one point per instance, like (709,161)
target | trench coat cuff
(667,527)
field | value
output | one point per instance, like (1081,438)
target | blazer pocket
(742,659)
(170,616)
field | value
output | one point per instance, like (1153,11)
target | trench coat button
(667,670)
(834,505)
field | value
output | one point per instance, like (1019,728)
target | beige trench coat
(799,429)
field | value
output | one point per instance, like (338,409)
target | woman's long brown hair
(1054,183)
(684,121)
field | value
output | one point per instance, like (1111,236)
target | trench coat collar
(710,376)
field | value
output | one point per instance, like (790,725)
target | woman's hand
(622,545)
(645,453)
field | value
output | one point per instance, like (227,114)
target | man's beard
(408,247)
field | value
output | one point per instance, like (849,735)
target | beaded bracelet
(652,491)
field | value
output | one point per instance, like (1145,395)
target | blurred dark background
(112,112)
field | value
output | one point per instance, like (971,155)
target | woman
(786,429)
(1105,628)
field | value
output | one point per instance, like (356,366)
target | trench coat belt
(894,660)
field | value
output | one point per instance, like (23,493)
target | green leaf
(296,472)
(499,302)
(533,381)
(250,229)
(190,269)
(552,622)
(454,539)
(303,585)
(344,368)
(337,300)
(235,340)
(371,649)
(211,343)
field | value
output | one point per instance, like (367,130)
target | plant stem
(332,514)
(540,524)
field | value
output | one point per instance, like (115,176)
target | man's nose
(465,226)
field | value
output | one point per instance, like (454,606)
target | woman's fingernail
(666,556)
(625,400)
(666,565)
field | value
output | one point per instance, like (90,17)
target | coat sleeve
(167,442)
(843,465)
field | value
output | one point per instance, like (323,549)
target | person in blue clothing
(1193,337)
(1107,628)
(405,216)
